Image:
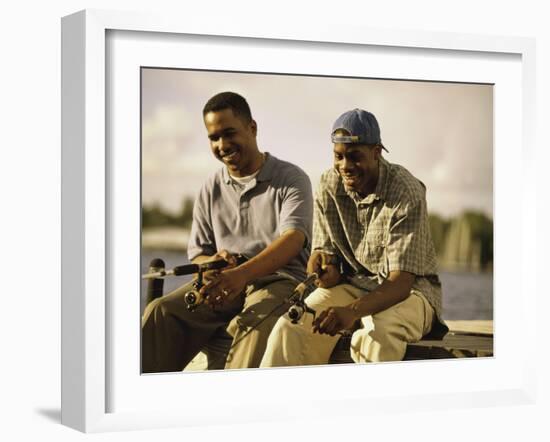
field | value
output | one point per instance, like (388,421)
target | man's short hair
(229,100)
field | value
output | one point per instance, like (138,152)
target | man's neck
(372,183)
(255,166)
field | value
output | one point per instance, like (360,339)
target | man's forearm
(274,256)
(392,291)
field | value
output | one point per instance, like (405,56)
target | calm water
(465,295)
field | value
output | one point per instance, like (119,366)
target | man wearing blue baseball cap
(374,255)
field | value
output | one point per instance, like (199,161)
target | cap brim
(352,139)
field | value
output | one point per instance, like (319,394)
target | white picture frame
(89,173)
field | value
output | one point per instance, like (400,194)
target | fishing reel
(297,310)
(299,307)
(193,298)
(297,299)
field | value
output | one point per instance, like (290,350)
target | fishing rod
(187,269)
(296,311)
(299,307)
(193,298)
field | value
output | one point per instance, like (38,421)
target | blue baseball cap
(361,126)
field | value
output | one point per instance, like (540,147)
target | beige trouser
(172,335)
(383,336)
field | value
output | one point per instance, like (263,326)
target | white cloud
(166,122)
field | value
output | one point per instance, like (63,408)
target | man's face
(358,166)
(232,140)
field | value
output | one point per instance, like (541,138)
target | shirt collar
(382,185)
(268,169)
(266,172)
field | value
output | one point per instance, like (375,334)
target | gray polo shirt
(247,219)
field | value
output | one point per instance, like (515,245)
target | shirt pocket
(376,246)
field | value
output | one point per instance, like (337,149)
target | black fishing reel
(297,311)
(193,298)
(299,307)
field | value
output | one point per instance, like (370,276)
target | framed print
(109,61)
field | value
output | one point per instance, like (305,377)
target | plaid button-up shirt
(386,231)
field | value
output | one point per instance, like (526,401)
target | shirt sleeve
(201,238)
(321,233)
(297,207)
(407,244)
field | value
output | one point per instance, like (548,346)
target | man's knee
(386,340)
(387,328)
(255,318)
(318,297)
(284,345)
(152,309)
(284,330)
(327,297)
(159,309)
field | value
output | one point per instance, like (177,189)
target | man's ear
(254,127)
(377,152)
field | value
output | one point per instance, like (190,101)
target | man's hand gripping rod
(299,307)
(194,298)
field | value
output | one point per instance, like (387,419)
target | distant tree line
(155,216)
(464,241)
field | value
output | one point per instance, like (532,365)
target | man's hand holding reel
(211,285)
(334,320)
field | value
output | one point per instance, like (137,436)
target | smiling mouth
(350,179)
(229,156)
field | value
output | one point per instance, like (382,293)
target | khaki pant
(172,335)
(383,336)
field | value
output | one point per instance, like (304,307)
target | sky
(441,132)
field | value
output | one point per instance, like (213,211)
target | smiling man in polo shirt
(257,206)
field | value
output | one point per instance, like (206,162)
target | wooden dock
(466,339)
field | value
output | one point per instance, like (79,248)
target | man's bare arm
(231,282)
(275,255)
(392,291)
